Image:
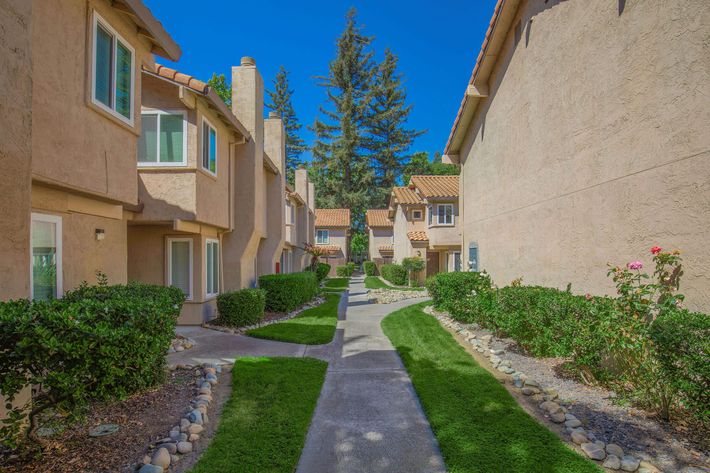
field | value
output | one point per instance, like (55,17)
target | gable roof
(477,88)
(200,88)
(378,218)
(149,27)
(339,218)
(406,195)
(417,236)
(436,186)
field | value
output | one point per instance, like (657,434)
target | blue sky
(437,44)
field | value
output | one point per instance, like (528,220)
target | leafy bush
(413,266)
(97,343)
(343,272)
(351,266)
(445,288)
(240,308)
(285,292)
(682,341)
(394,273)
(370,268)
(322,271)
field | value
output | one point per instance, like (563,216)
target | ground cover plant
(96,343)
(373,282)
(479,426)
(263,426)
(314,326)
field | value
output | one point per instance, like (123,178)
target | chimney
(312,196)
(301,181)
(275,141)
(248,95)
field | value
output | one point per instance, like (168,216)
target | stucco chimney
(301,181)
(312,196)
(248,95)
(275,141)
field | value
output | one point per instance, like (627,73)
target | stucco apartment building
(200,212)
(426,222)
(380,232)
(583,139)
(299,217)
(332,229)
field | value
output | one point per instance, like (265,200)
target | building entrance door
(432,263)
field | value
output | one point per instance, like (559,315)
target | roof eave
(148,26)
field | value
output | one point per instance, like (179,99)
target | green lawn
(263,426)
(314,326)
(478,424)
(336,283)
(373,282)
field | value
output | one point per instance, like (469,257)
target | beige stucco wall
(15,147)
(67,126)
(593,145)
(443,235)
(378,237)
(338,236)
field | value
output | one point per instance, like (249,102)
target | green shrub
(286,292)
(394,273)
(682,341)
(240,308)
(322,271)
(345,271)
(97,343)
(370,268)
(352,266)
(413,266)
(445,288)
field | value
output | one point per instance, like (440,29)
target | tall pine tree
(341,169)
(280,101)
(389,139)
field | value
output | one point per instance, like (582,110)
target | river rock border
(167,451)
(610,455)
(181,343)
(387,296)
(240,330)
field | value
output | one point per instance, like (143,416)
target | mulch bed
(142,418)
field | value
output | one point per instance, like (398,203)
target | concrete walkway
(368,418)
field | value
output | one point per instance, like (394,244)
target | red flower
(656,249)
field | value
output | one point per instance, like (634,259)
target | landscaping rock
(646,467)
(528,391)
(174,459)
(204,391)
(614,449)
(148,468)
(507,370)
(579,437)
(170,447)
(497,352)
(193,438)
(184,447)
(629,463)
(161,458)
(175,434)
(532,383)
(182,438)
(573,423)
(184,424)
(612,462)
(195,429)
(593,451)
(518,382)
(557,417)
(195,417)
(550,406)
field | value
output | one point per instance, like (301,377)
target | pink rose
(635,265)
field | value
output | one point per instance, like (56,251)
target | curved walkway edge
(368,417)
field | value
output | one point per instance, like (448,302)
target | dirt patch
(142,419)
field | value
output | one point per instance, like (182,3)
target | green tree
(358,243)
(420,164)
(219,84)
(280,101)
(341,169)
(388,139)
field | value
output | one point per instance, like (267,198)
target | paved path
(368,418)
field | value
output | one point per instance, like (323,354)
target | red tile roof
(437,186)
(417,236)
(378,218)
(405,195)
(386,248)
(333,218)
(329,248)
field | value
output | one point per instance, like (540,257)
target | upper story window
(416,214)
(209,147)
(322,237)
(445,214)
(112,71)
(163,140)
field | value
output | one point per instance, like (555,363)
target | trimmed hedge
(322,271)
(344,271)
(96,343)
(682,340)
(370,268)
(446,288)
(286,292)
(240,308)
(394,273)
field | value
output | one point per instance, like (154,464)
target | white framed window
(455,261)
(416,214)
(112,71)
(445,214)
(212,267)
(473,257)
(180,265)
(46,257)
(322,237)
(163,140)
(209,147)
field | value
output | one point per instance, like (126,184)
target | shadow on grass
(478,424)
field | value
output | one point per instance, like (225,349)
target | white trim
(209,241)
(327,239)
(96,20)
(202,148)
(438,220)
(159,112)
(189,297)
(57,221)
